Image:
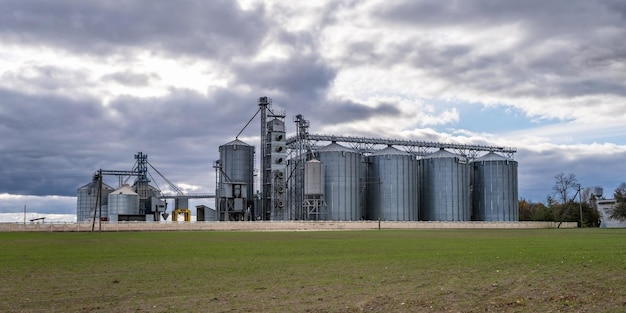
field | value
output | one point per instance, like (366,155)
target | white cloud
(10,203)
(178,83)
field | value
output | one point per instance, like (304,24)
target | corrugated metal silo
(495,196)
(392,193)
(123,201)
(237,160)
(444,187)
(342,171)
(86,201)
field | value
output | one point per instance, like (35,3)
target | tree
(534,211)
(586,195)
(620,192)
(562,185)
(618,212)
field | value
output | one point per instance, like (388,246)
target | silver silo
(86,201)
(495,194)
(123,201)
(342,171)
(444,187)
(391,185)
(237,158)
(235,190)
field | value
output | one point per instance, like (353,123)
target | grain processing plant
(332,177)
(311,177)
(140,202)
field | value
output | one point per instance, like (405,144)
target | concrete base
(274,226)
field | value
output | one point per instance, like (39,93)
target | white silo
(314,204)
(123,204)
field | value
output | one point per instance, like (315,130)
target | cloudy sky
(86,84)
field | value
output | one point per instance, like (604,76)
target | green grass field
(555,270)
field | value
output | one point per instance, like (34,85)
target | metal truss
(368,145)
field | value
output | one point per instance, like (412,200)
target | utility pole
(580,206)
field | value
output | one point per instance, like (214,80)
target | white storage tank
(495,196)
(123,201)
(313,178)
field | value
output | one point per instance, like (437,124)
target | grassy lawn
(555,270)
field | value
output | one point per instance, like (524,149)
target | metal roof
(442,154)
(124,190)
(492,157)
(390,151)
(335,147)
(236,142)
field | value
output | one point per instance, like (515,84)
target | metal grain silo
(237,162)
(391,186)
(342,171)
(495,193)
(123,201)
(87,201)
(444,187)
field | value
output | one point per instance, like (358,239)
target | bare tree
(618,212)
(563,184)
(586,195)
(620,192)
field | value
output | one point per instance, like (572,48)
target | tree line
(567,201)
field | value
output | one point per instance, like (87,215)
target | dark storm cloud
(559,42)
(298,85)
(307,76)
(218,28)
(340,112)
(538,168)
(52,145)
(44,141)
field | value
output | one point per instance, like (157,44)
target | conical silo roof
(335,147)
(236,142)
(124,190)
(390,151)
(491,156)
(441,154)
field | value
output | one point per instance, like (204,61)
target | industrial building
(141,201)
(325,177)
(605,208)
(340,178)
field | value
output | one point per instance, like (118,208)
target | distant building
(604,208)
